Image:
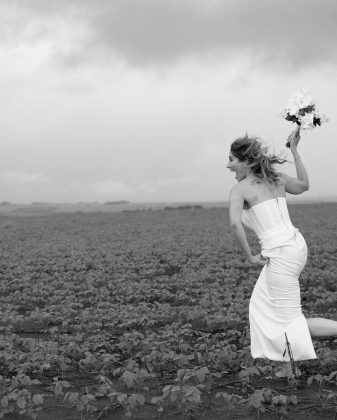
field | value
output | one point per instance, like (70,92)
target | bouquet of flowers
(301,110)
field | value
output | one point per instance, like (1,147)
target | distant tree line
(117,202)
(184,207)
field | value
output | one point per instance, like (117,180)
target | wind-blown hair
(255,153)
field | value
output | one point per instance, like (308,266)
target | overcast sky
(140,99)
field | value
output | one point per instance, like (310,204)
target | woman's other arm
(236,202)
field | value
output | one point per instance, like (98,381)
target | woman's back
(255,191)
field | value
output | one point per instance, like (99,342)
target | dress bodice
(270,221)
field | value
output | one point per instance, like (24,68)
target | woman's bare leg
(322,327)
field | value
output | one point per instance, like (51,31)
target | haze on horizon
(139,100)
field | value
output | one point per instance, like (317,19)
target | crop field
(144,315)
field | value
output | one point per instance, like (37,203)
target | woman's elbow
(301,188)
(235,225)
(305,187)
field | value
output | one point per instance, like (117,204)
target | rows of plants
(145,315)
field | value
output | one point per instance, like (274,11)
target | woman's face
(237,166)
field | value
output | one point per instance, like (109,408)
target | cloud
(21,186)
(286,34)
(111,188)
(20,178)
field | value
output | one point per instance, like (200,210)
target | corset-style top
(271,222)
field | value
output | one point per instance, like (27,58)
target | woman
(278,328)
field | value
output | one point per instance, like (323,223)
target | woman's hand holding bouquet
(302,110)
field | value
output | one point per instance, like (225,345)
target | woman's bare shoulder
(237,192)
(239,188)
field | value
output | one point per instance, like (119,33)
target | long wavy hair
(255,153)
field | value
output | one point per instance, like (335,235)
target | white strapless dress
(275,314)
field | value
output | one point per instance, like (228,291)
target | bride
(278,328)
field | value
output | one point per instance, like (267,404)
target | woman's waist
(279,237)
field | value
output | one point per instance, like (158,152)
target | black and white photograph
(168,209)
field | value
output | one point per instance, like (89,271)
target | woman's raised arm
(301,183)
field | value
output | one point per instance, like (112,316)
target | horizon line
(126,202)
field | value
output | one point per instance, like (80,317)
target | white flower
(307,121)
(307,100)
(322,117)
(293,108)
(303,99)
(283,113)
